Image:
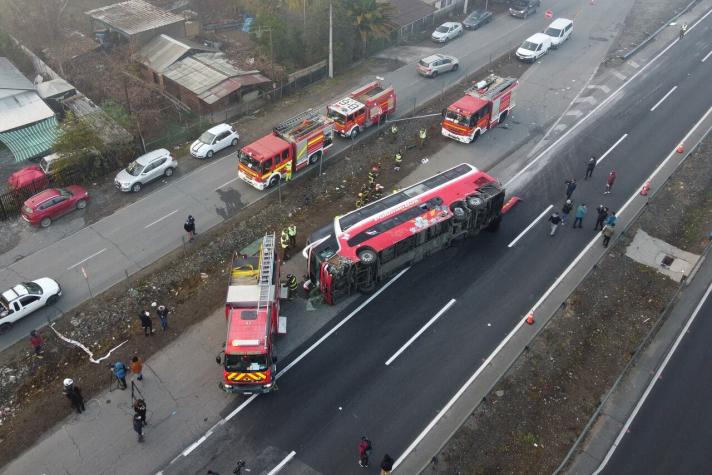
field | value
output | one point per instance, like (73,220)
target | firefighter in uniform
(399,159)
(284,243)
(422,135)
(372,175)
(291,285)
(288,171)
(292,232)
(394,133)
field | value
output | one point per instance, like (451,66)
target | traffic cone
(530,319)
(646,188)
(680,149)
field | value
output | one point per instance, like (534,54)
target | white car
(25,298)
(447,31)
(534,47)
(145,169)
(213,140)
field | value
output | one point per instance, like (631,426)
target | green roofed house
(28,126)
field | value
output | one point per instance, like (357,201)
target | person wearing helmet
(74,394)
(565,210)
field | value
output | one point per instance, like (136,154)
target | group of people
(364,452)
(605,218)
(371,191)
(147,323)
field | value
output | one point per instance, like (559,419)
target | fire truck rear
(363,108)
(292,145)
(483,106)
(253,321)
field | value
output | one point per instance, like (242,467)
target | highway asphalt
(332,397)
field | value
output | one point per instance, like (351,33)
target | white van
(559,31)
(534,47)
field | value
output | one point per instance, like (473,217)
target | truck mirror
(218,359)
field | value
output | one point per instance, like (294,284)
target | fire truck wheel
(458,210)
(503,116)
(494,225)
(475,202)
(368,257)
(367,289)
(315,158)
(273,181)
(354,132)
(475,137)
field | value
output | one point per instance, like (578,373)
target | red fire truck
(253,321)
(372,243)
(292,145)
(484,105)
(364,107)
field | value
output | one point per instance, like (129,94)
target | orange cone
(646,188)
(680,149)
(530,319)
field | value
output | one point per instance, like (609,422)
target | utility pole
(331,40)
(464,10)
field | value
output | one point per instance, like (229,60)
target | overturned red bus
(372,243)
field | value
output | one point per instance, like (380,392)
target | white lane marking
(85,259)
(602,87)
(241,407)
(559,127)
(707,56)
(664,97)
(574,112)
(586,99)
(619,75)
(654,380)
(420,332)
(160,219)
(194,445)
(516,239)
(283,463)
(227,183)
(605,154)
(634,64)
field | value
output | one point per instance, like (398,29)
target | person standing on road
(146,322)
(607,232)
(74,394)
(364,450)
(565,210)
(609,182)
(189,227)
(570,187)
(683,30)
(37,342)
(589,167)
(580,214)
(137,367)
(119,370)
(555,221)
(387,465)
(612,219)
(162,313)
(139,407)
(138,426)
(601,215)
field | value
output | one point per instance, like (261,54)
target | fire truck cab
(363,108)
(483,106)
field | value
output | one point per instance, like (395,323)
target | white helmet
(68,382)
(568,202)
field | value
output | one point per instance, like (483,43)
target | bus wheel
(458,210)
(368,257)
(475,202)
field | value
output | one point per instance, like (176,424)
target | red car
(52,203)
(32,175)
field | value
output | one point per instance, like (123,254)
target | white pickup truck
(25,298)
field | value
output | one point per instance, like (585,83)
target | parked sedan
(50,204)
(145,169)
(447,31)
(212,141)
(524,8)
(30,177)
(436,64)
(476,19)
(25,298)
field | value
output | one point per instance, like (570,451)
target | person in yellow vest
(394,133)
(284,243)
(422,135)
(398,159)
(292,232)
(288,171)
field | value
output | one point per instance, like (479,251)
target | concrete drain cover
(667,261)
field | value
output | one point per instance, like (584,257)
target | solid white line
(543,213)
(654,380)
(420,332)
(707,56)
(611,148)
(283,463)
(194,445)
(664,97)
(225,184)
(85,259)
(160,219)
(241,407)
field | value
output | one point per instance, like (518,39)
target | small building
(161,53)
(135,22)
(207,83)
(28,126)
(411,16)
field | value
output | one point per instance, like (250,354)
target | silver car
(145,169)
(436,64)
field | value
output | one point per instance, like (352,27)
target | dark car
(524,8)
(52,203)
(476,19)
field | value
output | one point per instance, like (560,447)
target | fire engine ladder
(494,87)
(299,124)
(266,271)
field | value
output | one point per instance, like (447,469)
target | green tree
(370,19)
(77,141)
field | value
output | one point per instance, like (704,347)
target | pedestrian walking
(138,426)
(580,214)
(601,215)
(146,322)
(162,313)
(284,243)
(137,367)
(364,450)
(609,182)
(555,221)
(565,210)
(189,227)
(398,159)
(589,167)
(387,465)
(612,219)
(570,187)
(607,232)
(37,342)
(292,232)
(119,370)
(140,408)
(74,394)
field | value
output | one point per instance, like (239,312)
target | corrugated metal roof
(134,16)
(12,81)
(32,141)
(54,87)
(162,51)
(22,109)
(108,130)
(409,11)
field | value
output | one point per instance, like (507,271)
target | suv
(52,203)
(213,140)
(25,298)
(524,8)
(144,169)
(436,64)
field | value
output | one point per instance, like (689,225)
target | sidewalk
(180,387)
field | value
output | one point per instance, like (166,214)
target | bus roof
(246,331)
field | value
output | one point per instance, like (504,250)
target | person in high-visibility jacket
(284,244)
(398,159)
(291,285)
(394,132)
(288,171)
(422,135)
(292,232)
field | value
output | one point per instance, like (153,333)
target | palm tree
(370,19)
